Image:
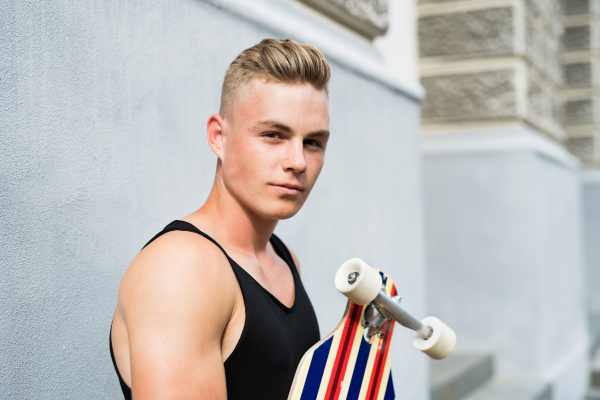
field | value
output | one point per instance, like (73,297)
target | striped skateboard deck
(344,366)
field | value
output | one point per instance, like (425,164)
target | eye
(312,143)
(271,135)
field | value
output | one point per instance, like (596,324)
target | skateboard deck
(345,366)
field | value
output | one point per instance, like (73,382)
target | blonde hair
(284,61)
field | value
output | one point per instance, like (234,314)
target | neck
(241,229)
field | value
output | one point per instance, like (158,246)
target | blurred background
(464,161)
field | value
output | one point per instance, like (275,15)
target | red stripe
(341,361)
(377,376)
(381,357)
(348,351)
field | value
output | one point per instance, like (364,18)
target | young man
(213,307)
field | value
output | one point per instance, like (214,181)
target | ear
(216,131)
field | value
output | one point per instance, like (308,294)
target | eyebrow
(285,128)
(323,133)
(275,124)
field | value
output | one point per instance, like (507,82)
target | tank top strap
(179,225)
(282,250)
(279,247)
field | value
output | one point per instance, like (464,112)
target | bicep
(165,364)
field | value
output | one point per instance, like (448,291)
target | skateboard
(353,361)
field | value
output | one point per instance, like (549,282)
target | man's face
(274,146)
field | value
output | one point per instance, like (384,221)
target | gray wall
(504,243)
(102,142)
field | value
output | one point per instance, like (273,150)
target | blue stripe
(383,278)
(315,371)
(389,391)
(359,370)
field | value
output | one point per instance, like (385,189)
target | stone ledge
(580,93)
(582,130)
(367,17)
(496,138)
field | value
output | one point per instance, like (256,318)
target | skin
(180,311)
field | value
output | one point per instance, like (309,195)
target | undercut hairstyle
(282,61)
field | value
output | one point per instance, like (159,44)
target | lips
(287,188)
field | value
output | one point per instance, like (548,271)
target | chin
(281,212)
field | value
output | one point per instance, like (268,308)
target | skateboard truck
(373,322)
(364,286)
(385,307)
(388,307)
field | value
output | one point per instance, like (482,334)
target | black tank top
(274,337)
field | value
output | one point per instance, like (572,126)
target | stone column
(502,194)
(581,92)
(582,121)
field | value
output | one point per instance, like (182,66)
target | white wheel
(442,340)
(357,281)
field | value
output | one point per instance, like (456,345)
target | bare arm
(176,304)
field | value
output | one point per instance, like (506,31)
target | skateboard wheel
(442,340)
(357,281)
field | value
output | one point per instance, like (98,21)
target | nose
(294,158)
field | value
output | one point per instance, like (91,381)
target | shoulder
(178,272)
(176,256)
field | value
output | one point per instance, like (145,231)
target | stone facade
(579,112)
(552,48)
(574,7)
(578,74)
(367,17)
(576,38)
(476,33)
(469,96)
(496,62)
